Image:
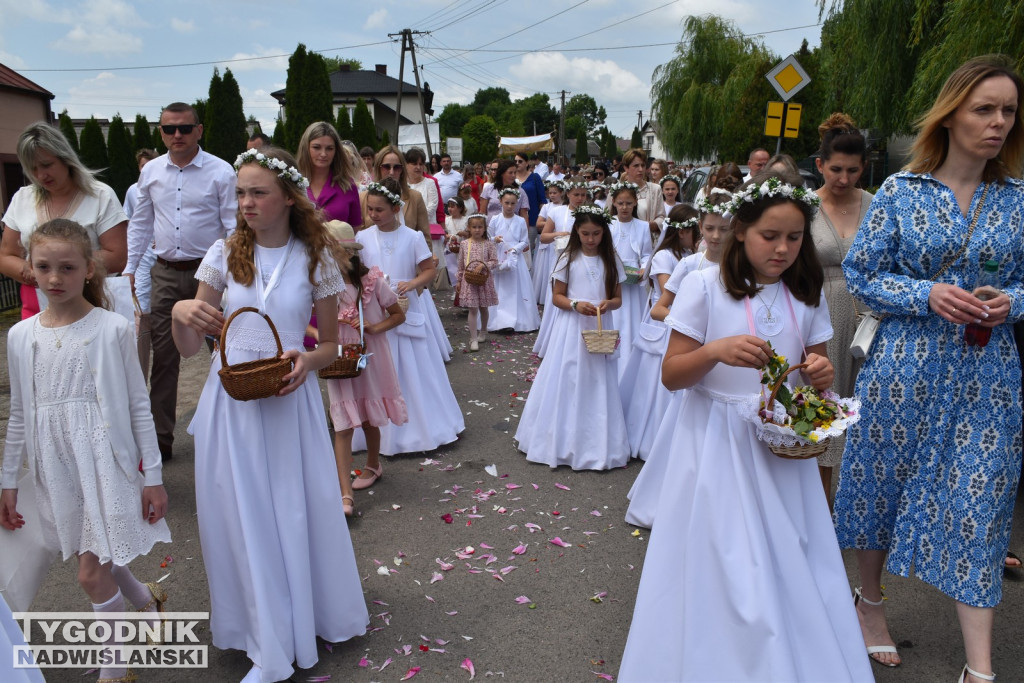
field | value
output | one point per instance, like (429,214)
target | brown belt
(192,264)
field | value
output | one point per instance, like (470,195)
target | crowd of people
(655,318)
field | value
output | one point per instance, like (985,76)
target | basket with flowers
(797,423)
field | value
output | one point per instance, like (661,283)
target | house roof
(352,84)
(12,79)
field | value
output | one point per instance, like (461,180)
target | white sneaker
(473,346)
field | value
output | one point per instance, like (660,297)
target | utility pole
(561,128)
(640,119)
(407,45)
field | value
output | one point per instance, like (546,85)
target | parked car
(699,179)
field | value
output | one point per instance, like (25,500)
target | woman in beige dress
(650,202)
(841,160)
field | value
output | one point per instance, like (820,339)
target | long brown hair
(302,223)
(379,159)
(70,231)
(931,146)
(804,278)
(342,169)
(605,249)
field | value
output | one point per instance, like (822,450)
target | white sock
(114,604)
(137,592)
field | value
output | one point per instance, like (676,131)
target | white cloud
(183,26)
(36,10)
(274,63)
(376,20)
(604,80)
(107,94)
(102,40)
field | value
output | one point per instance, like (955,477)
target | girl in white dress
(278,556)
(435,418)
(559,225)
(743,579)
(714,228)
(644,397)
(670,187)
(80,420)
(455,232)
(517,305)
(632,239)
(573,415)
(544,257)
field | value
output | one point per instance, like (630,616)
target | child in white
(517,306)
(632,239)
(573,415)
(80,419)
(643,496)
(435,418)
(278,555)
(454,230)
(545,254)
(559,225)
(644,397)
(743,579)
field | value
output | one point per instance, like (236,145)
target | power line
(488,6)
(218,61)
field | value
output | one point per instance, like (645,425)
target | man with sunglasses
(185,203)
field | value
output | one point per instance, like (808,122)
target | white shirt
(182,210)
(542,170)
(428,191)
(96,212)
(555,176)
(449,183)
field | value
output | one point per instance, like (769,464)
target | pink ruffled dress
(374,396)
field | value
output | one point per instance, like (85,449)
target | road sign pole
(778,141)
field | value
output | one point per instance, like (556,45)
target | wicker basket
(403,303)
(345,366)
(255,378)
(600,340)
(800,451)
(474,278)
(632,275)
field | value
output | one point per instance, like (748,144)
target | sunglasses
(598,174)
(389,167)
(183,128)
(588,177)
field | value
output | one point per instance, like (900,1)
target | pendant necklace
(767,320)
(58,340)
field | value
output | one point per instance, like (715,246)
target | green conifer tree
(142,136)
(123,168)
(93,148)
(364,132)
(68,129)
(342,124)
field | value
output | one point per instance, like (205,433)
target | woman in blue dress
(930,472)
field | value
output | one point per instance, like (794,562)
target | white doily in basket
(778,435)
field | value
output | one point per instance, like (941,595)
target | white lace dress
(93,505)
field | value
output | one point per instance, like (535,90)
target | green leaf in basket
(784,396)
(803,428)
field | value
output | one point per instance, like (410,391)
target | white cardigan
(120,390)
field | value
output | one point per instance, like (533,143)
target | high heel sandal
(360,483)
(876,649)
(968,670)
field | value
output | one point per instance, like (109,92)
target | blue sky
(102,57)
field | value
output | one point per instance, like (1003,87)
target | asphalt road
(562,632)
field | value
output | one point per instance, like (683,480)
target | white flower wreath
(623,185)
(591,209)
(682,225)
(509,189)
(289,173)
(773,187)
(393,199)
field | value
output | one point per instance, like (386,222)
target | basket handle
(770,403)
(598,309)
(224,333)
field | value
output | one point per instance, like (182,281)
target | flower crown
(377,188)
(623,185)
(682,225)
(725,208)
(289,173)
(678,181)
(773,187)
(509,189)
(570,185)
(476,215)
(591,209)
(560,184)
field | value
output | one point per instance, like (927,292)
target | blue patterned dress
(930,472)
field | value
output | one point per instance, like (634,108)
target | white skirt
(628,317)
(644,397)
(517,306)
(543,265)
(646,490)
(573,415)
(743,578)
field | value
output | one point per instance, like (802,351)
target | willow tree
(961,31)
(687,93)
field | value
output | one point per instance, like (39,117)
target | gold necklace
(767,306)
(58,340)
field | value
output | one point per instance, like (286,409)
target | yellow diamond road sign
(788,77)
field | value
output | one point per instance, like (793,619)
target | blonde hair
(303,223)
(44,137)
(403,183)
(931,146)
(70,231)
(342,169)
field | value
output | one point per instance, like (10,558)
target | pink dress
(374,396)
(477,296)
